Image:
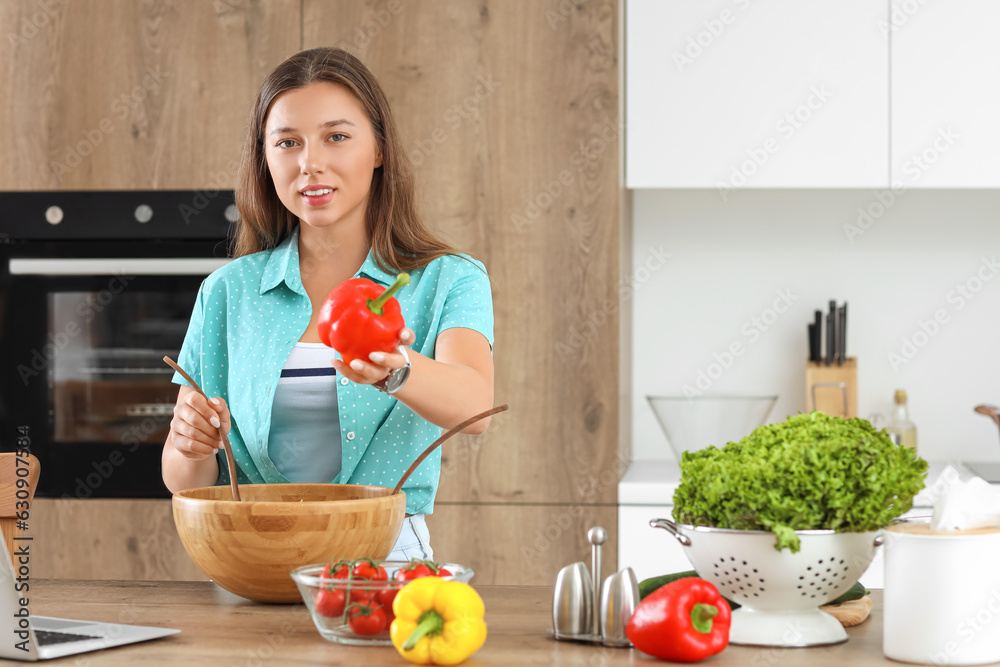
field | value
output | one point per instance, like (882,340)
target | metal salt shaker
(597,536)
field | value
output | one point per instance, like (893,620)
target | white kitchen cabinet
(649,551)
(733,94)
(945,94)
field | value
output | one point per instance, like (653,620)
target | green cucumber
(856,592)
(647,586)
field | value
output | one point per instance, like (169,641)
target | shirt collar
(371,269)
(283,265)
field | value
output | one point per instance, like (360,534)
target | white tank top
(304,440)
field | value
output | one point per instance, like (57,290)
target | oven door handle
(147,266)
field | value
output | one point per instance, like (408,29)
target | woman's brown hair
(399,239)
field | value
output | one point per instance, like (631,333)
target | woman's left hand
(378,366)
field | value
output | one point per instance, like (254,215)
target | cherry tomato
(414,570)
(367,619)
(385,597)
(330,602)
(366,568)
(361,595)
(339,570)
(421,568)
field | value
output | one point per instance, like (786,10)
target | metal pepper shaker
(597,536)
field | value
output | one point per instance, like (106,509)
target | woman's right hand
(194,430)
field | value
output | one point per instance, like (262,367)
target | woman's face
(321,153)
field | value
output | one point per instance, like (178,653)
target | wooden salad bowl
(248,547)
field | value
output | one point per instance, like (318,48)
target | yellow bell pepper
(437,622)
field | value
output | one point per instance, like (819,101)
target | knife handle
(813,344)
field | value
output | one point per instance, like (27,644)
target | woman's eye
(281,144)
(338,135)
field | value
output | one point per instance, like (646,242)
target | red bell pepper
(360,317)
(685,621)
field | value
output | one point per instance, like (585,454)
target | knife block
(835,388)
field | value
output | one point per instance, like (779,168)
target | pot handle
(669,525)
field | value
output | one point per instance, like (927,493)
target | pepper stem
(375,305)
(702,615)
(429,623)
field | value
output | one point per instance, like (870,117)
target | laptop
(29,637)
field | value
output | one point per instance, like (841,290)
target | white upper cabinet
(946,94)
(738,94)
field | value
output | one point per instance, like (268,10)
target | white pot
(942,595)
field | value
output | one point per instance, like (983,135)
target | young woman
(325,193)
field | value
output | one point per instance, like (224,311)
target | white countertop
(654,483)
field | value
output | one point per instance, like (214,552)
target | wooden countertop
(220,628)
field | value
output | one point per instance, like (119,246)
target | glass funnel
(695,422)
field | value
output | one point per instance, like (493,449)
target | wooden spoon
(230,463)
(437,443)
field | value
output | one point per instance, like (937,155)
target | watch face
(397,378)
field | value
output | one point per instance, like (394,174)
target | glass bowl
(336,628)
(695,422)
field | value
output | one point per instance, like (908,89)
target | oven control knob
(54,215)
(143,213)
(232,213)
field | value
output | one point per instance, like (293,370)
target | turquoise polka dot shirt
(247,318)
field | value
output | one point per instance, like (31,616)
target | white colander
(780,591)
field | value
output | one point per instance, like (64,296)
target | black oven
(95,289)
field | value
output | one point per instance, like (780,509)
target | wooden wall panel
(521,544)
(107,539)
(509,111)
(118,94)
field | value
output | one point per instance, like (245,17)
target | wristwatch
(396,378)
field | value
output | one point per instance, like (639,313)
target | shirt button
(350,435)
(343,381)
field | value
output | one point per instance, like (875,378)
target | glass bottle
(900,422)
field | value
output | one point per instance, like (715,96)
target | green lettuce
(812,471)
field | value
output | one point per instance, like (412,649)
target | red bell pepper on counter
(685,621)
(360,317)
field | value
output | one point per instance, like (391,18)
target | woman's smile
(317,195)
